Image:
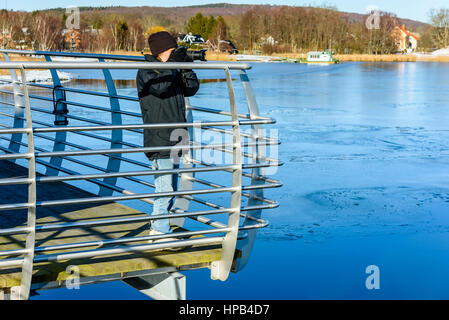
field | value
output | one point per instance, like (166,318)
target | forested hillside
(250,27)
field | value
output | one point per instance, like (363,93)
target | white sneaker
(155,232)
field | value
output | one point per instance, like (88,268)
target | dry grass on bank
(218,56)
(430,58)
(376,58)
(356,57)
(373,57)
(290,55)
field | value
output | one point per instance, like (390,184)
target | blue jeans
(164,183)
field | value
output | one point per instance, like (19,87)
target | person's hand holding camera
(180,55)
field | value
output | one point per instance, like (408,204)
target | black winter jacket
(161,97)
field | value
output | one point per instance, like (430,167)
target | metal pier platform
(51,274)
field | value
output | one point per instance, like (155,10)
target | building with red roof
(406,41)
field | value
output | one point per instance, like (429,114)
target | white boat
(320,57)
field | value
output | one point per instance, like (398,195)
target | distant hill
(185,12)
(216,9)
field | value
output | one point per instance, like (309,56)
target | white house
(405,40)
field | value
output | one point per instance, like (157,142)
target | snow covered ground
(70,59)
(441,52)
(437,53)
(40,76)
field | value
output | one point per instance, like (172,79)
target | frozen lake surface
(366,182)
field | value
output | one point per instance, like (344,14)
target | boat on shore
(323,57)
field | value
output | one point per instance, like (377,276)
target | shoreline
(227,57)
(373,57)
(348,57)
(218,56)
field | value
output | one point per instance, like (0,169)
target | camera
(197,55)
(182,51)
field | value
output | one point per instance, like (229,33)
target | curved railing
(238,230)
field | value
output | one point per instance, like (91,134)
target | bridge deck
(121,264)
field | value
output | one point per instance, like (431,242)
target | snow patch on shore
(73,59)
(437,53)
(441,52)
(40,76)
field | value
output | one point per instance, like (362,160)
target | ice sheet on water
(367,211)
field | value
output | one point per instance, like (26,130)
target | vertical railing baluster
(60,137)
(220,269)
(258,152)
(185,179)
(16,138)
(116,135)
(27,267)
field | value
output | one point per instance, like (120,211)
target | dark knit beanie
(161,41)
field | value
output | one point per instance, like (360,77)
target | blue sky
(413,9)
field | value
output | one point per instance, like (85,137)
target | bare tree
(440,22)
(47,31)
(6,28)
(136,37)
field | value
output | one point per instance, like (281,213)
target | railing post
(27,267)
(60,137)
(16,138)
(220,269)
(246,244)
(185,179)
(116,135)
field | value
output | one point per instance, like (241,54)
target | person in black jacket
(161,96)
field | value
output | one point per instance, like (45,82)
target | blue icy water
(366,182)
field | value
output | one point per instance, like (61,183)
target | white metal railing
(243,220)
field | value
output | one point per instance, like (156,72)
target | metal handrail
(78,55)
(102,94)
(122,65)
(232,231)
(249,166)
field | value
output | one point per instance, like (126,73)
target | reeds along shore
(360,57)
(374,57)
(221,56)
